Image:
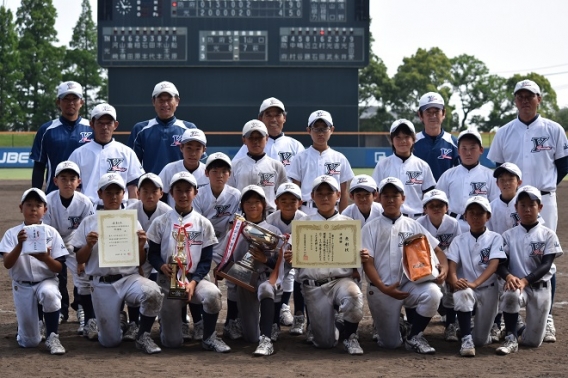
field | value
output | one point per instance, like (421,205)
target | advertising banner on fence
(15,157)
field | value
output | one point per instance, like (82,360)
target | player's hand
(141,239)
(80,269)
(167,270)
(92,238)
(42,256)
(258,254)
(512,283)
(217,277)
(392,290)
(190,289)
(461,284)
(22,237)
(364,255)
(288,255)
(443,269)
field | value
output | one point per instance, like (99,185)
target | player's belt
(31,283)
(539,285)
(110,278)
(321,282)
(486,286)
(412,215)
(310,204)
(543,193)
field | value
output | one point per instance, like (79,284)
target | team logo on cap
(362,180)
(176,140)
(266,179)
(221,211)
(85,136)
(413,178)
(332,169)
(114,165)
(402,236)
(70,85)
(478,188)
(285,157)
(484,256)
(538,144)
(445,153)
(537,248)
(432,98)
(445,240)
(75,221)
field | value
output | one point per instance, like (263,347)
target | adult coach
(434,145)
(156,141)
(56,139)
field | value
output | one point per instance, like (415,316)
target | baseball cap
(402,121)
(152,177)
(165,87)
(69,87)
(193,134)
(39,192)
(471,132)
(509,167)
(218,156)
(435,194)
(325,179)
(431,100)
(102,109)
(363,182)
(533,193)
(110,178)
(291,188)
(320,114)
(271,102)
(67,165)
(254,125)
(481,201)
(253,188)
(183,176)
(392,181)
(528,85)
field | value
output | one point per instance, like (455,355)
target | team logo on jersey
(266,179)
(221,211)
(444,240)
(538,144)
(537,249)
(114,165)
(75,221)
(516,219)
(445,153)
(413,178)
(484,256)
(332,168)
(566,146)
(478,188)
(85,136)
(176,140)
(402,236)
(192,235)
(285,157)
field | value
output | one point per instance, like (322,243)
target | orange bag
(417,259)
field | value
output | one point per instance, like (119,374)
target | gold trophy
(178,264)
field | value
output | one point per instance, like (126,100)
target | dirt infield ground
(293,357)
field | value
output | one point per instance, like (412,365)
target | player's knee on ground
(352,307)
(429,300)
(266,291)
(50,300)
(152,298)
(464,300)
(510,302)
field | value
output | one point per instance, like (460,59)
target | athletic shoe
(146,343)
(451,333)
(81,319)
(375,333)
(310,335)
(404,327)
(91,330)
(509,346)
(186,332)
(550,331)
(54,344)
(275,333)
(131,333)
(198,330)
(232,329)
(216,344)
(352,346)
(495,333)
(298,325)
(286,317)
(467,348)
(265,347)
(42,330)
(419,344)
(123,321)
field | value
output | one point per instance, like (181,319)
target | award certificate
(36,241)
(118,241)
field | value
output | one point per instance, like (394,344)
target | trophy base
(240,275)
(177,293)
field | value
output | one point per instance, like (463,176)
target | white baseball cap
(481,201)
(392,181)
(325,179)
(363,182)
(271,102)
(291,188)
(533,193)
(110,178)
(39,192)
(102,109)
(509,167)
(528,85)
(320,114)
(67,165)
(218,156)
(151,177)
(473,133)
(435,194)
(193,134)
(253,188)
(402,121)
(183,176)
(431,100)
(69,87)
(165,87)
(254,125)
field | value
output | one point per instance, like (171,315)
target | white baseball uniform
(200,234)
(95,160)
(310,164)
(219,210)
(447,231)
(525,250)
(111,287)
(472,255)
(353,212)
(533,149)
(33,282)
(325,287)
(416,176)
(177,166)
(266,173)
(383,238)
(504,216)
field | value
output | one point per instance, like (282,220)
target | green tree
(549,105)
(561,117)
(375,88)
(40,62)
(81,59)
(9,71)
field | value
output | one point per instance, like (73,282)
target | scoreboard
(189,33)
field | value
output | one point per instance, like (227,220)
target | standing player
(156,141)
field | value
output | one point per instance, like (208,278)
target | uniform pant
(80,281)
(549,211)
(486,299)
(249,309)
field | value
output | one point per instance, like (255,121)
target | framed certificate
(118,241)
(326,244)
